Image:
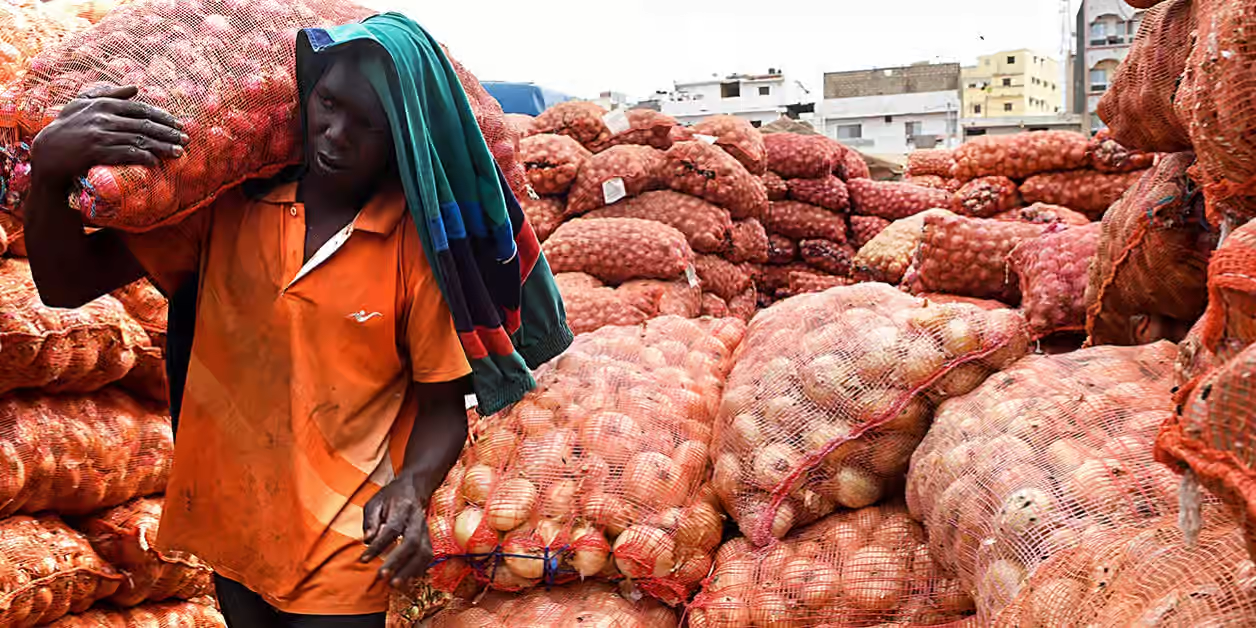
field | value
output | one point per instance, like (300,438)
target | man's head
(348,140)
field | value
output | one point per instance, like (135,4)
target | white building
(892,111)
(760,98)
(1106,30)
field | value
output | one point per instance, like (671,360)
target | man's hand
(399,511)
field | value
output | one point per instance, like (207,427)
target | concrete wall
(691,102)
(885,81)
(884,120)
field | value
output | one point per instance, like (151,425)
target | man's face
(349,141)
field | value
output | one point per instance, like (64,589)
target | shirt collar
(380,215)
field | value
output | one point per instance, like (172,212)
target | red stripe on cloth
(529,251)
(472,346)
(482,342)
(513,320)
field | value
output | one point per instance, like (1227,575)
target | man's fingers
(387,535)
(148,128)
(126,156)
(399,560)
(142,111)
(145,143)
(122,92)
(419,562)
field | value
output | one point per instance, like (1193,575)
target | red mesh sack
(713,306)
(1142,576)
(169,615)
(748,242)
(501,138)
(1054,270)
(831,393)
(864,228)
(827,192)
(781,250)
(739,139)
(1086,191)
(1024,466)
(1231,291)
(598,472)
(126,538)
(721,277)
(852,166)
(830,257)
(985,197)
(745,305)
(938,162)
(27,27)
(1152,259)
(1021,155)
(663,298)
(74,454)
(148,307)
(927,181)
(777,189)
(619,172)
(177,52)
(809,282)
(48,571)
(544,214)
(148,379)
(774,279)
(1044,214)
(888,255)
(795,156)
(1108,155)
(969,257)
(618,249)
(893,199)
(861,568)
(643,127)
(1139,106)
(14,235)
(591,306)
(706,226)
(552,162)
(582,604)
(985,304)
(522,123)
(579,120)
(705,171)
(61,350)
(800,220)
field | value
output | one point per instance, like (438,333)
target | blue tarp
(526,98)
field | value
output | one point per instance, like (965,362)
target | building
(1105,32)
(759,98)
(892,111)
(612,100)
(1005,125)
(1014,83)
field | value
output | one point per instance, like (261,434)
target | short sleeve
(172,254)
(435,353)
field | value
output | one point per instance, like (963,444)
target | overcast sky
(584,47)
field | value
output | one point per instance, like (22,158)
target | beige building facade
(1013,83)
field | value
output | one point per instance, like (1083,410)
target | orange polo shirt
(299,396)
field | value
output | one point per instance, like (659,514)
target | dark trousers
(245,609)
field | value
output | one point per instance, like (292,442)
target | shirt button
(293,210)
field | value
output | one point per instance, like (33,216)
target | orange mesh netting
(618,249)
(27,27)
(1042,213)
(938,162)
(721,277)
(643,127)
(1021,155)
(737,137)
(862,568)
(745,305)
(552,162)
(61,350)
(582,121)
(852,166)
(714,306)
(522,123)
(1138,108)
(170,615)
(1108,155)
(1086,191)
(502,138)
(226,69)
(76,454)
(592,604)
(888,255)
(748,242)
(864,228)
(832,258)
(544,214)
(1053,270)
(832,392)
(773,279)
(827,192)
(126,537)
(620,172)
(1041,453)
(800,220)
(893,200)
(147,306)
(968,257)
(590,305)
(705,171)
(1152,259)
(599,472)
(807,282)
(777,189)
(781,250)
(1143,576)
(985,304)
(47,571)
(148,379)
(706,226)
(1232,290)
(1215,101)
(985,197)
(927,181)
(795,156)
(14,234)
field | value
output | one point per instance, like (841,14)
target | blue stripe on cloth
(436,227)
(319,39)
(504,240)
(473,217)
(452,216)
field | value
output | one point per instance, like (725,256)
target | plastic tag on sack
(617,122)
(613,190)
(709,139)
(692,275)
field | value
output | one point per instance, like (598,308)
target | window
(974,132)
(1011,59)
(914,128)
(1132,26)
(756,123)
(765,91)
(889,119)
(1007,106)
(1099,80)
(730,90)
(1007,82)
(972,86)
(1098,34)
(976,108)
(849,131)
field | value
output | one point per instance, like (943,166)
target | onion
(652,480)
(959,338)
(960,380)
(889,454)
(782,410)
(608,511)
(873,578)
(528,561)
(921,360)
(701,527)
(667,519)
(470,534)
(857,488)
(559,499)
(734,576)
(1048,600)
(812,582)
(512,504)
(546,457)
(878,354)
(550,532)
(534,420)
(722,612)
(844,537)
(897,531)
(772,564)
(744,433)
(826,379)
(737,399)
(691,457)
(477,484)
(445,500)
(495,448)
(612,434)
(727,476)
(784,519)
(1000,584)
(592,474)
(736,548)
(1026,514)
(692,568)
(768,608)
(644,552)
(507,580)
(591,551)
(912,419)
(773,463)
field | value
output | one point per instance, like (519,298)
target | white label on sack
(709,139)
(617,122)
(692,275)
(613,190)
